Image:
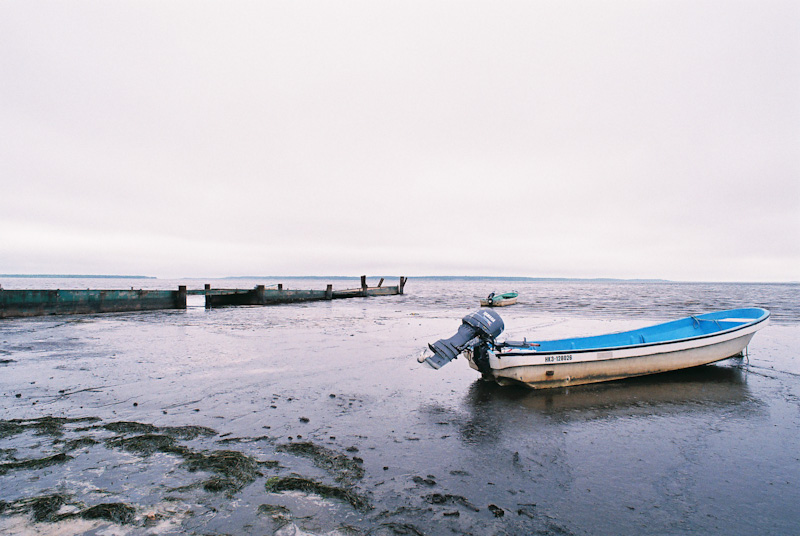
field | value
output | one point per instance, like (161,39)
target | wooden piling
(180,299)
(261,294)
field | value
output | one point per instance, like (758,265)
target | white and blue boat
(688,342)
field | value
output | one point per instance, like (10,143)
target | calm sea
(594,299)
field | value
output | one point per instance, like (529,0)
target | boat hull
(566,367)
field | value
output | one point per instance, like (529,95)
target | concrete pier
(23,303)
(261,295)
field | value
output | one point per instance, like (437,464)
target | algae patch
(181,432)
(145,444)
(343,468)
(81,442)
(234,469)
(278,514)
(440,498)
(35,463)
(43,508)
(10,428)
(119,513)
(46,507)
(306,485)
(52,426)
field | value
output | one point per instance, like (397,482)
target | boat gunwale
(533,352)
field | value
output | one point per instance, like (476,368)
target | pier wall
(271,296)
(20,303)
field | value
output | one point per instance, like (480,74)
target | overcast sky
(631,139)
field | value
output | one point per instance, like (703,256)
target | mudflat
(317,419)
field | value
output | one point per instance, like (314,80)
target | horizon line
(429,277)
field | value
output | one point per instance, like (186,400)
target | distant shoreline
(389,277)
(441,278)
(75,276)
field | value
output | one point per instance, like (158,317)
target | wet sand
(317,419)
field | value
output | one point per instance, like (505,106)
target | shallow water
(709,450)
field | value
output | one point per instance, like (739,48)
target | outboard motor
(481,326)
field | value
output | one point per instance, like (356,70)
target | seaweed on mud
(51,426)
(400,529)
(55,425)
(41,508)
(403,511)
(279,514)
(234,469)
(343,468)
(129,427)
(48,425)
(145,444)
(349,530)
(35,463)
(296,483)
(119,513)
(73,444)
(229,440)
(440,498)
(10,428)
(188,432)
(46,508)
(181,432)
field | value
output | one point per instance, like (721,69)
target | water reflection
(494,410)
(697,386)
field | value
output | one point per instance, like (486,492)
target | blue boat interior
(685,328)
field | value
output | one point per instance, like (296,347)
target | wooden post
(207,287)
(380,282)
(329,292)
(280,286)
(402,283)
(363,285)
(261,294)
(180,302)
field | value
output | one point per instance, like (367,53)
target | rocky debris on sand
(440,498)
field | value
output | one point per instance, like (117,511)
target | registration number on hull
(557,358)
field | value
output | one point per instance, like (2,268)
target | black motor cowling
(480,326)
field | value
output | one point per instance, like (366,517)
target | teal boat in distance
(500,300)
(689,342)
